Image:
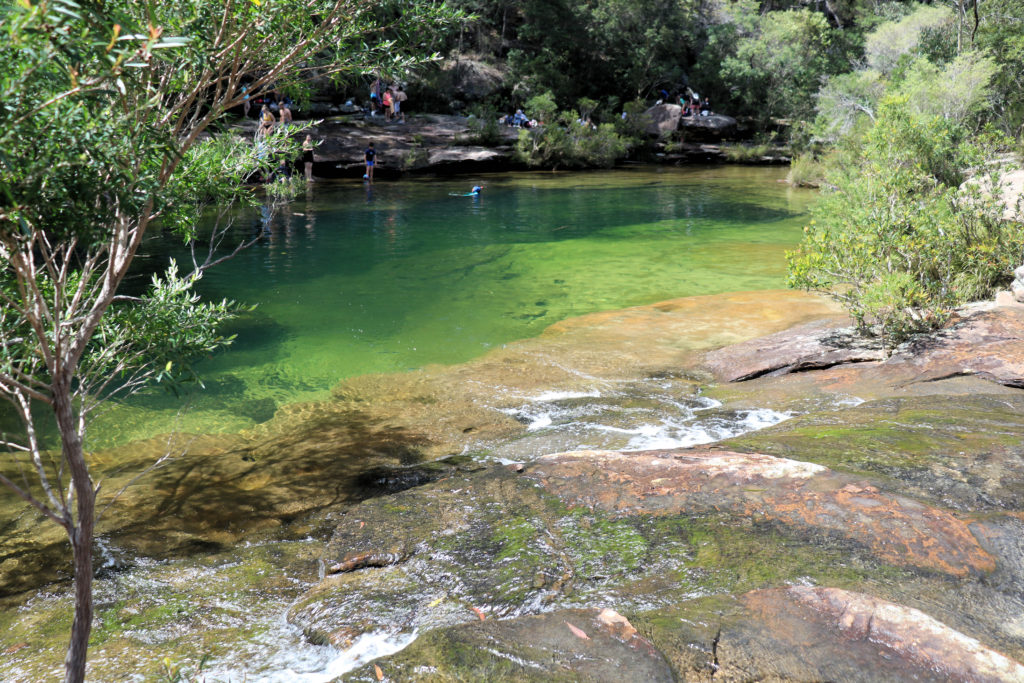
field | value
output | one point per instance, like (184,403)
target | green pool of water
(353,279)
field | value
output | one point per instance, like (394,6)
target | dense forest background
(760,59)
(907,115)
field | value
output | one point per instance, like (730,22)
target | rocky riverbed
(871,533)
(874,541)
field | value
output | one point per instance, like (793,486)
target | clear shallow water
(352,279)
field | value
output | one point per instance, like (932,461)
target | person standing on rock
(267,121)
(307,157)
(370,155)
(375,95)
(397,100)
(389,101)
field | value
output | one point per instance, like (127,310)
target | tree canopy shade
(105,108)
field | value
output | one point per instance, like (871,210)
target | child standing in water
(370,155)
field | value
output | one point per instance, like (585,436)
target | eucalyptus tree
(105,111)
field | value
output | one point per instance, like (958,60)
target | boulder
(472,80)
(708,128)
(815,345)
(663,119)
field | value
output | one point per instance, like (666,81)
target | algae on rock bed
(225,605)
(959,451)
(496,541)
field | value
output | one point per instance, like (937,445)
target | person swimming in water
(476,190)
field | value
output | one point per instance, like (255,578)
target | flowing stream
(354,279)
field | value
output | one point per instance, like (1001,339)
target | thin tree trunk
(977,19)
(81,533)
(81,627)
(959,26)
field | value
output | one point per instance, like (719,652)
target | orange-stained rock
(616,624)
(906,633)
(800,495)
(986,341)
(814,345)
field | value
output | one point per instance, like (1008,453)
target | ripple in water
(633,416)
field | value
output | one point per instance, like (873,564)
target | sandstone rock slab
(815,345)
(800,495)
(817,633)
(901,634)
(565,645)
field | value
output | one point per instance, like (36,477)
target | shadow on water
(221,491)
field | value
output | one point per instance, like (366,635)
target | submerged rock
(565,645)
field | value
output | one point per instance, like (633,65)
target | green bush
(805,171)
(899,238)
(634,126)
(542,107)
(565,142)
(746,153)
(485,129)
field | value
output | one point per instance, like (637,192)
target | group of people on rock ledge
(690,101)
(389,99)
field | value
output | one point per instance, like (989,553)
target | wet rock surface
(962,452)
(816,634)
(908,634)
(566,645)
(873,536)
(802,495)
(880,586)
(214,491)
